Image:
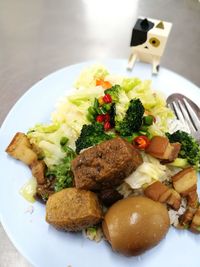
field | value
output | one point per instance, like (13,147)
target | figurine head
(150,36)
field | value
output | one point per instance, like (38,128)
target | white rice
(93,233)
(174,215)
(175,125)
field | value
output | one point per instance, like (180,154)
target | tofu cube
(73,209)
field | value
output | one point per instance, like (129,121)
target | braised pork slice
(186,218)
(195,225)
(73,209)
(162,149)
(174,200)
(105,165)
(21,149)
(185,181)
(43,191)
(193,199)
(38,168)
(161,193)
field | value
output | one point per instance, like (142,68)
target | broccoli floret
(190,149)
(62,172)
(112,113)
(91,134)
(132,120)
(114,92)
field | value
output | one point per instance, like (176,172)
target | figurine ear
(160,25)
(144,24)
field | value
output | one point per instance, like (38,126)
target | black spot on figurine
(139,33)
(144,24)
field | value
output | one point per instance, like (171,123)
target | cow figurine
(149,37)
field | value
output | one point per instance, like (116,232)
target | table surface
(41,36)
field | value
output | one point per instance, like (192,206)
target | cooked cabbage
(149,171)
(71,112)
(47,138)
(88,76)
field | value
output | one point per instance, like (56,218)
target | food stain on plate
(28,190)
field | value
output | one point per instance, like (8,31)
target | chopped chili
(107,98)
(100,118)
(107,126)
(141,142)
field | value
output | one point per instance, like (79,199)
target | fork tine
(187,112)
(186,116)
(178,112)
(175,107)
(172,108)
(192,115)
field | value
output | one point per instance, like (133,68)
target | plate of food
(96,170)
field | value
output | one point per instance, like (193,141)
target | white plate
(40,243)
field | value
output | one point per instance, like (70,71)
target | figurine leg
(131,61)
(156,65)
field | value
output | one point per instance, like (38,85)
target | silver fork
(187,112)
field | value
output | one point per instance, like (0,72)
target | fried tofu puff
(73,209)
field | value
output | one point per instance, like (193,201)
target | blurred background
(40,36)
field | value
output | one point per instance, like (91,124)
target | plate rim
(28,91)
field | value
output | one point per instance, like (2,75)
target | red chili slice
(107,126)
(107,98)
(100,118)
(107,117)
(141,142)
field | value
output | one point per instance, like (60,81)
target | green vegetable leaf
(129,83)
(91,134)
(62,172)
(190,149)
(64,140)
(198,228)
(42,128)
(114,92)
(186,226)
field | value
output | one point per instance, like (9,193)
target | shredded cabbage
(149,171)
(88,76)
(153,102)
(129,84)
(47,138)
(122,105)
(71,112)
(114,79)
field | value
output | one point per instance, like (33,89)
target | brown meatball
(135,224)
